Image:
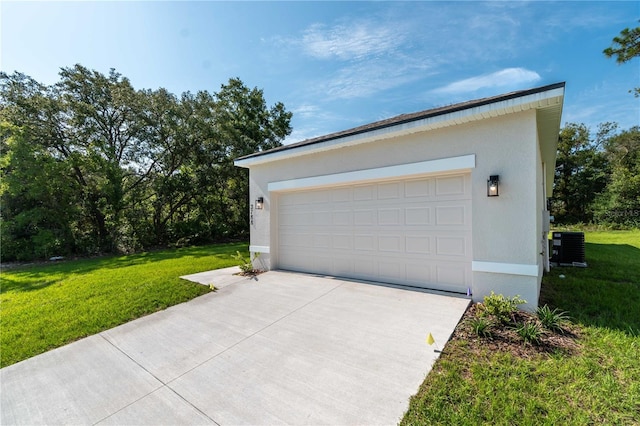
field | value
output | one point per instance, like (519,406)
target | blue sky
(337,65)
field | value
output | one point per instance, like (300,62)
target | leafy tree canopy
(581,172)
(625,47)
(620,203)
(597,177)
(92,165)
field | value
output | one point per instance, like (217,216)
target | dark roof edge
(407,118)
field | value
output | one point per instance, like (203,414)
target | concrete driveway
(286,348)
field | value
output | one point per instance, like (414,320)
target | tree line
(597,177)
(90,165)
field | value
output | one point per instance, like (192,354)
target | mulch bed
(505,339)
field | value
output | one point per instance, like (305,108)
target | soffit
(547,101)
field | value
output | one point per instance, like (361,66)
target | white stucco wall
(506,229)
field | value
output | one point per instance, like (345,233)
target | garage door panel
(300,199)
(342,241)
(364,193)
(364,217)
(418,188)
(341,195)
(391,271)
(391,244)
(290,200)
(365,268)
(451,186)
(341,218)
(296,260)
(343,267)
(419,273)
(388,217)
(322,218)
(322,265)
(419,244)
(322,241)
(297,219)
(364,242)
(451,246)
(295,240)
(418,216)
(389,191)
(451,273)
(451,215)
(415,231)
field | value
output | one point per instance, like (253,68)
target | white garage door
(414,232)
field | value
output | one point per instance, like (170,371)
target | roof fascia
(527,101)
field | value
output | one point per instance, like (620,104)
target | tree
(37,196)
(104,115)
(92,124)
(620,203)
(36,199)
(625,47)
(91,165)
(234,122)
(169,187)
(581,172)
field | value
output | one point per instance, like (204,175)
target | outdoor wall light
(259,203)
(492,186)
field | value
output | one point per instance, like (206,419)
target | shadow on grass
(605,294)
(36,277)
(12,284)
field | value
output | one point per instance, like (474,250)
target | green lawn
(47,306)
(598,384)
(44,307)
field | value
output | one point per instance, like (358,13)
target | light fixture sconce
(259,203)
(492,186)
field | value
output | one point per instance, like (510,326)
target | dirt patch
(505,339)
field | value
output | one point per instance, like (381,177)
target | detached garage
(450,199)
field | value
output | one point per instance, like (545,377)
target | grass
(47,306)
(599,383)
(44,307)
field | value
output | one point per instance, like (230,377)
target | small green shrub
(530,332)
(501,307)
(552,320)
(481,326)
(246,264)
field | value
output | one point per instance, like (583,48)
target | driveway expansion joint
(163,385)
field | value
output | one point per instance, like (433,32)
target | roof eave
(550,98)
(548,122)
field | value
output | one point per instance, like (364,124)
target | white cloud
(373,55)
(314,111)
(348,42)
(508,77)
(367,78)
(305,110)
(365,56)
(311,120)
